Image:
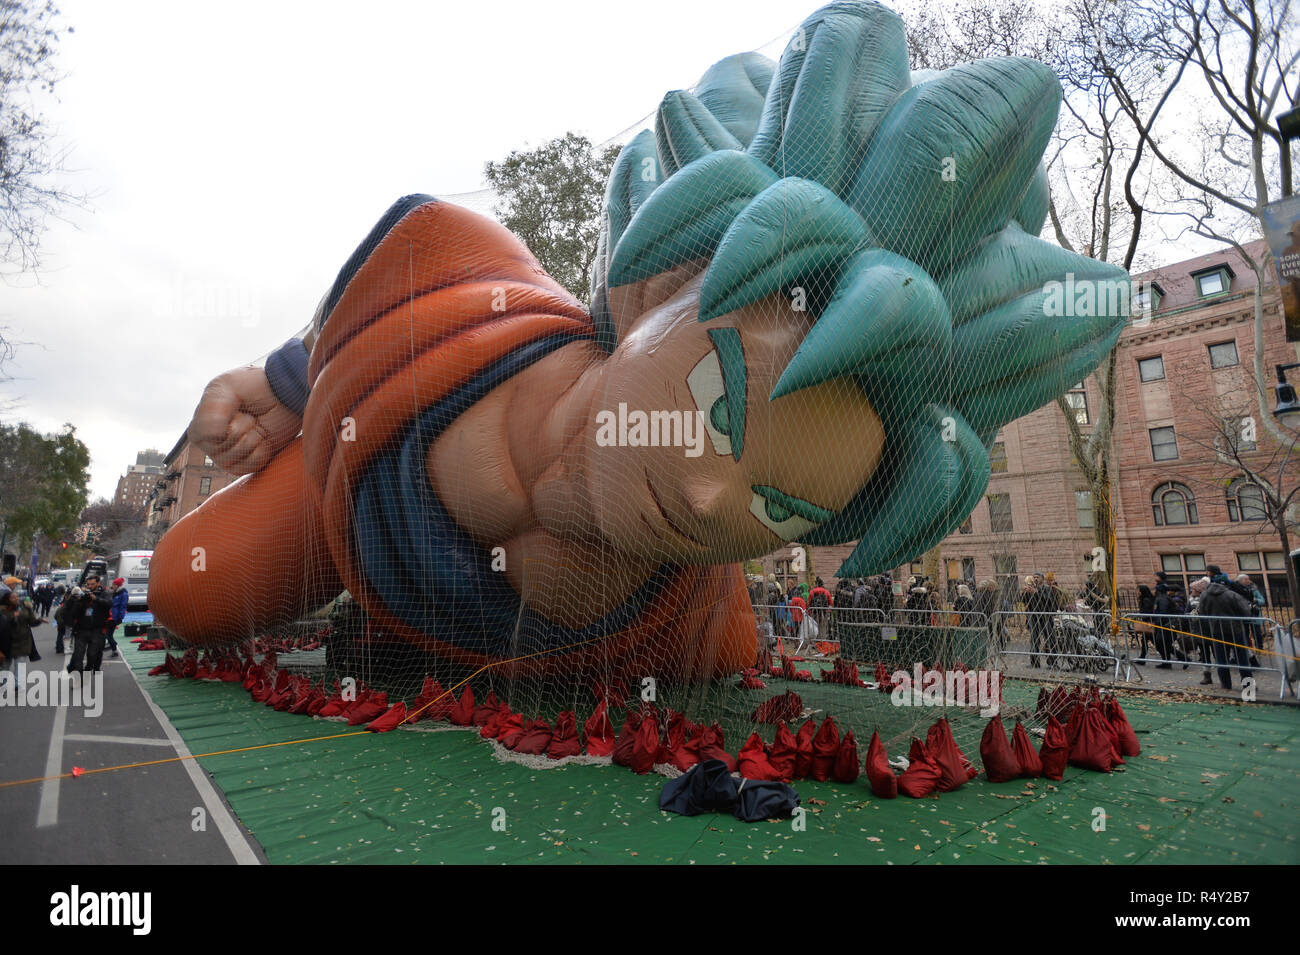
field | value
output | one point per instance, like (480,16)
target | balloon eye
(719,417)
(777,513)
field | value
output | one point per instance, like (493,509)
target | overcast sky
(236,154)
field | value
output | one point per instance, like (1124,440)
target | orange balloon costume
(411,324)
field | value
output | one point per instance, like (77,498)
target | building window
(1083,507)
(1245,501)
(998,458)
(1268,572)
(1008,577)
(1213,281)
(1077,399)
(1000,513)
(1152,369)
(968,569)
(1183,568)
(207,461)
(1164,444)
(205,486)
(1233,438)
(1223,355)
(1147,298)
(966,526)
(1173,504)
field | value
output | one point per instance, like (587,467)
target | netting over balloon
(817,295)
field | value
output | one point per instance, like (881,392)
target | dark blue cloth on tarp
(757,800)
(705,787)
(709,787)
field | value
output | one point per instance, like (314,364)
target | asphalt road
(169,813)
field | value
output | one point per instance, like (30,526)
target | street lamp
(1288,405)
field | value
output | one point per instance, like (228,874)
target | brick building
(1184,375)
(137,484)
(188,479)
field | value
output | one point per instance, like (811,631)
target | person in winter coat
(965,605)
(121,598)
(20,618)
(1227,637)
(88,617)
(1170,609)
(1040,607)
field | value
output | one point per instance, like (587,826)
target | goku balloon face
(743,474)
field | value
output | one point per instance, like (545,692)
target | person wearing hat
(88,616)
(120,600)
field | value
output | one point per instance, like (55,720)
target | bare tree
(1242,55)
(29,160)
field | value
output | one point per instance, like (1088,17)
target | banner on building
(1281,221)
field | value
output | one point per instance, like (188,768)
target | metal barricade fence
(1217,638)
(1070,641)
(775,622)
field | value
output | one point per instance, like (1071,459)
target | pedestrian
(121,599)
(88,618)
(1041,605)
(20,618)
(1245,586)
(61,618)
(965,605)
(1225,626)
(1146,610)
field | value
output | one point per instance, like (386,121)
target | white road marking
(48,813)
(217,812)
(125,740)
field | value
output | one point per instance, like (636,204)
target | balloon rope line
(291,742)
(1226,643)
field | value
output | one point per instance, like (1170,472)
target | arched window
(1173,504)
(1245,501)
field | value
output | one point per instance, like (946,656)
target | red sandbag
(782,754)
(713,746)
(787,707)
(462,713)
(787,668)
(564,741)
(626,741)
(433,703)
(684,744)
(598,731)
(492,728)
(804,749)
(487,709)
(1000,763)
(316,704)
(752,759)
(390,720)
(1073,724)
(1093,747)
(846,768)
(879,773)
(1055,751)
(825,744)
(1026,756)
(511,730)
(922,776)
(645,745)
(536,738)
(1111,733)
(373,708)
(1128,741)
(750,681)
(942,750)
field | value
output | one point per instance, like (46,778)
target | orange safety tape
(1198,636)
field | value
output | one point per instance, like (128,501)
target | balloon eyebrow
(796,506)
(731,359)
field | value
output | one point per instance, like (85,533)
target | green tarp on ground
(1216,783)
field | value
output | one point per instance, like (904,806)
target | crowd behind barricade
(1220,624)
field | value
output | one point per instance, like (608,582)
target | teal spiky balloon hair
(906,207)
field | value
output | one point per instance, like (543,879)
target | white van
(133,567)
